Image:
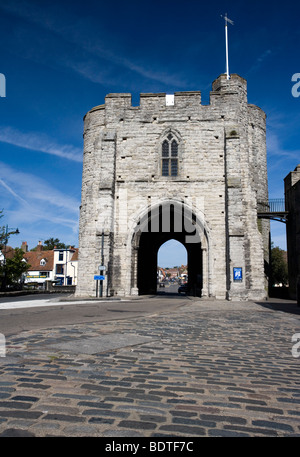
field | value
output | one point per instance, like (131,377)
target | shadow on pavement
(169,294)
(287,306)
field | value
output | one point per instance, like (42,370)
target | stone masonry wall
(221,174)
(292,203)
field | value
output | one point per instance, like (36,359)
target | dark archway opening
(168,222)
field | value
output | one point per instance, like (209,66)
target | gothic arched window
(169,156)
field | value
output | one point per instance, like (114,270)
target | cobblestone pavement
(211,368)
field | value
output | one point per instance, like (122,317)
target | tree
(2,233)
(279,269)
(9,267)
(5,233)
(51,243)
(15,268)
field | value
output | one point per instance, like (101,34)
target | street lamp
(7,234)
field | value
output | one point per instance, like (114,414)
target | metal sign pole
(102,262)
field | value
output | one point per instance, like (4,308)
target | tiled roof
(75,255)
(34,258)
(9,252)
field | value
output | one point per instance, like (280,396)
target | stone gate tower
(172,168)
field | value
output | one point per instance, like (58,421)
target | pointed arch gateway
(173,252)
(161,222)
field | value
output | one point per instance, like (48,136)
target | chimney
(39,246)
(24,246)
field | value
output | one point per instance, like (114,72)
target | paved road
(37,312)
(196,368)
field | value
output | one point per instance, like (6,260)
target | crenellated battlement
(235,86)
(223,84)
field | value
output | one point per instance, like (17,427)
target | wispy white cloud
(260,61)
(12,192)
(37,208)
(276,149)
(35,200)
(281,149)
(35,188)
(39,142)
(281,161)
(91,51)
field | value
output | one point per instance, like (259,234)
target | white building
(65,266)
(58,265)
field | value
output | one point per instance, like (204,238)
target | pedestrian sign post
(99,277)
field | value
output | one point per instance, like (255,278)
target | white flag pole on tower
(226,42)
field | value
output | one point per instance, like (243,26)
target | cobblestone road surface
(211,368)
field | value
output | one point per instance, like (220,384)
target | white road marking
(42,303)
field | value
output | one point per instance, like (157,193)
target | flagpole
(226,42)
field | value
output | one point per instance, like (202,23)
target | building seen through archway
(161,224)
(172,266)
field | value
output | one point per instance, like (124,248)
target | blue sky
(60,58)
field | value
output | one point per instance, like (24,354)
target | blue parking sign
(237,274)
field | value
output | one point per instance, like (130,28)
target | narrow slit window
(174,167)
(165,149)
(165,167)
(169,153)
(174,148)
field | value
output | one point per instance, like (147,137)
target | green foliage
(51,243)
(11,270)
(5,234)
(279,267)
(15,267)
(2,233)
